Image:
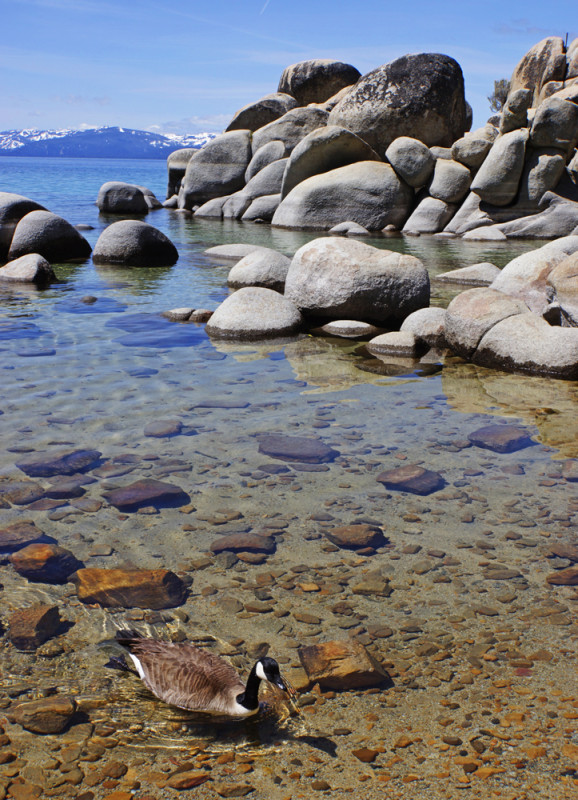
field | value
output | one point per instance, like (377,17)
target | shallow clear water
(94,376)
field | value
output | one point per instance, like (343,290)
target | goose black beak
(280,683)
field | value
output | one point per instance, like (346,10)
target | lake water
(481,665)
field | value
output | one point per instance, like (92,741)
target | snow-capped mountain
(106,142)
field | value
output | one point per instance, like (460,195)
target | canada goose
(187,677)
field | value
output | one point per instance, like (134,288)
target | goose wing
(186,676)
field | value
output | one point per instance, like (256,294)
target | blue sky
(185,67)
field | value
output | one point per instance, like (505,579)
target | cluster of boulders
(32,238)
(390,149)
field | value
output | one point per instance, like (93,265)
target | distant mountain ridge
(105,142)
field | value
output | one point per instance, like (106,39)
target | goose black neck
(250,697)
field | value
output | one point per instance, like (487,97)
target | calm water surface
(94,376)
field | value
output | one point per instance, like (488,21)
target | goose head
(267,669)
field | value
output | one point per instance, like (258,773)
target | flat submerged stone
(356,536)
(341,665)
(244,542)
(30,627)
(19,535)
(296,448)
(412,478)
(130,588)
(58,462)
(146,492)
(501,438)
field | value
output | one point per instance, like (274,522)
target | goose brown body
(187,676)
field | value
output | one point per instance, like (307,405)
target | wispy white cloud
(210,123)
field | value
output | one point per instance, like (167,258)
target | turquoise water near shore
(94,376)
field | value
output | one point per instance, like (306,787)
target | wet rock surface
(296,448)
(146,492)
(130,588)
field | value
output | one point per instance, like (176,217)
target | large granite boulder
(543,169)
(322,150)
(177,163)
(31,268)
(50,236)
(515,112)
(317,80)
(555,124)
(473,313)
(412,160)
(262,208)
(12,208)
(471,150)
(268,180)
(572,60)
(290,128)
(544,62)
(133,243)
(254,313)
(266,268)
(254,115)
(451,181)
(272,151)
(367,192)
(558,217)
(217,169)
(347,279)
(527,343)
(428,326)
(526,277)
(430,216)
(116,197)
(498,178)
(421,96)
(563,279)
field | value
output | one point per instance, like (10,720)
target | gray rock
(555,125)
(536,67)
(473,313)
(266,268)
(558,219)
(441,152)
(428,326)
(347,279)
(31,268)
(368,192)
(542,172)
(254,313)
(116,197)
(254,115)
(233,252)
(349,228)
(50,236)
(133,243)
(412,160)
(178,314)
(397,343)
(563,279)
(217,169)
(572,60)
(515,111)
(499,176)
(350,329)
(527,343)
(421,96)
(290,128)
(262,208)
(488,234)
(270,152)
(235,206)
(526,276)
(450,182)
(472,149)
(212,208)
(150,198)
(177,163)
(317,80)
(430,216)
(171,202)
(322,150)
(58,462)
(12,208)
(268,180)
(482,274)
(298,449)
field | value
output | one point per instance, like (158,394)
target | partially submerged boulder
(50,236)
(116,197)
(12,208)
(254,313)
(133,243)
(177,163)
(266,268)
(367,192)
(31,268)
(217,169)
(347,279)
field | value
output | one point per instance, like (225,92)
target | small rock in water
(162,428)
(45,716)
(295,448)
(565,577)
(45,563)
(31,627)
(501,438)
(244,542)
(178,314)
(341,665)
(201,315)
(21,493)
(59,462)
(147,492)
(20,534)
(412,478)
(130,588)
(356,536)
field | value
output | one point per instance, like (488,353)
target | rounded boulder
(254,313)
(254,115)
(317,80)
(348,279)
(31,268)
(115,197)
(50,236)
(134,244)
(266,268)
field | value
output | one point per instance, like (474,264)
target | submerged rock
(19,535)
(412,478)
(146,492)
(58,462)
(356,536)
(501,438)
(30,627)
(296,448)
(45,563)
(341,665)
(48,715)
(130,588)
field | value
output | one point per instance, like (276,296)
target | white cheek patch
(138,666)
(260,672)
